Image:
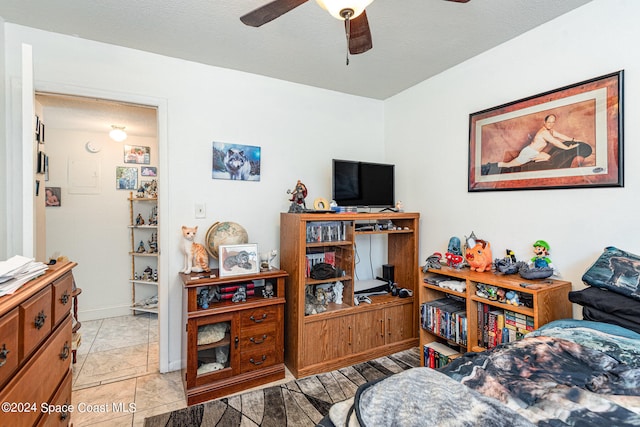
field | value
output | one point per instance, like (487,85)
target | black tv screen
(363,184)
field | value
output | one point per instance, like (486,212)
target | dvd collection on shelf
(437,355)
(326,231)
(497,326)
(446,317)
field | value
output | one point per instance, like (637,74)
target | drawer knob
(260,362)
(64,298)
(264,316)
(40,319)
(66,350)
(253,340)
(3,355)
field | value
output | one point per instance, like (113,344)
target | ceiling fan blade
(269,12)
(460,1)
(360,37)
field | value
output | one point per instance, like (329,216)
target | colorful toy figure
(541,250)
(479,256)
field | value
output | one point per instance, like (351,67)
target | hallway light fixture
(117,133)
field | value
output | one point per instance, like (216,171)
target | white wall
(427,130)
(300,129)
(91,228)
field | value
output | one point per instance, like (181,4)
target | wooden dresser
(35,350)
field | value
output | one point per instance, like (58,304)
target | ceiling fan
(352,12)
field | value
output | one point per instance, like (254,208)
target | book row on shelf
(497,326)
(437,355)
(446,317)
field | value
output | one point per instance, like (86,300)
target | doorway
(90,224)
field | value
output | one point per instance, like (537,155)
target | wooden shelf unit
(549,296)
(253,341)
(346,333)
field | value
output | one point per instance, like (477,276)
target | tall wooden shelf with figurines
(143,226)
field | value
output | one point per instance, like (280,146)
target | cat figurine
(196,258)
(237,164)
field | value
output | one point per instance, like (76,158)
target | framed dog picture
(236,260)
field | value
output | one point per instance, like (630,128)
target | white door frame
(163,199)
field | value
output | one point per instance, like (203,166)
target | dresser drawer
(35,321)
(62,289)
(257,359)
(37,380)
(258,316)
(262,335)
(9,357)
(58,415)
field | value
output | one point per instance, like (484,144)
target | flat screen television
(363,184)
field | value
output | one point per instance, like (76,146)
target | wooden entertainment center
(346,333)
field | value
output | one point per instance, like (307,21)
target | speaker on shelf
(387,272)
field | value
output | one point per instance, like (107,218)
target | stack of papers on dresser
(18,270)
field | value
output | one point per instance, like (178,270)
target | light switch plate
(201,210)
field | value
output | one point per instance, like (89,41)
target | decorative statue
(196,258)
(337,289)
(478,254)
(141,248)
(139,220)
(298,194)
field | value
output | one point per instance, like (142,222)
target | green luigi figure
(541,260)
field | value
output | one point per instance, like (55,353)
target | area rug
(298,403)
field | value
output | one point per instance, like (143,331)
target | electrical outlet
(201,211)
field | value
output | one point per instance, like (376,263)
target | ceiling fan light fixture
(117,133)
(335,7)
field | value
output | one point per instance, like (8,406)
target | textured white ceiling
(412,39)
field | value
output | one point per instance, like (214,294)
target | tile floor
(117,369)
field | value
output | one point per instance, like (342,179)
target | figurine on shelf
(141,248)
(203,298)
(140,193)
(433,261)
(153,243)
(153,216)
(298,195)
(155,275)
(540,266)
(541,258)
(454,253)
(240,295)
(478,254)
(139,220)
(337,289)
(195,255)
(267,292)
(512,298)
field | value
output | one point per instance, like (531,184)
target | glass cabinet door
(213,340)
